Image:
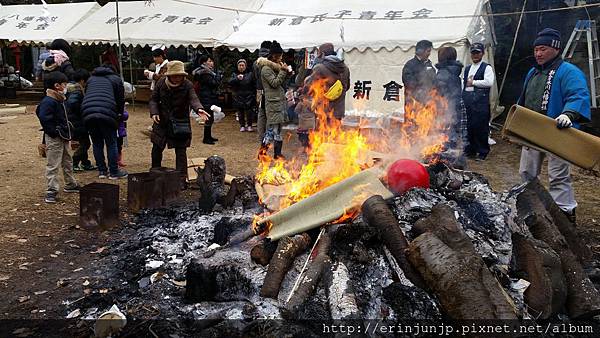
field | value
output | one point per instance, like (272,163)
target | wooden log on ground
(287,250)
(562,222)
(263,252)
(311,277)
(537,263)
(463,284)
(583,300)
(377,214)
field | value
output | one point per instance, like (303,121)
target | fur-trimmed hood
(261,62)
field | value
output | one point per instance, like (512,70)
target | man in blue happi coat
(558,90)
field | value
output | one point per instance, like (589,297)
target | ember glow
(337,153)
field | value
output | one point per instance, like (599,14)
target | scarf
(58,96)
(171,85)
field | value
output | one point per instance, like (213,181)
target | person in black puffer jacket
(244,94)
(208,92)
(102,108)
(449,87)
(75,93)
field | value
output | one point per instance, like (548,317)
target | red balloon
(404,175)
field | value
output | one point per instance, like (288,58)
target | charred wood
(562,222)
(442,223)
(320,260)
(340,293)
(463,284)
(378,215)
(262,253)
(211,181)
(242,188)
(283,259)
(410,303)
(449,264)
(225,276)
(583,300)
(537,263)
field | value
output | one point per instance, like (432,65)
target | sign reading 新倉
(40,23)
(362,90)
(160,18)
(347,14)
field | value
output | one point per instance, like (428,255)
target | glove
(563,121)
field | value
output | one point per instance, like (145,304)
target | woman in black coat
(208,92)
(449,86)
(244,94)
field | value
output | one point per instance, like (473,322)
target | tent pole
(119,39)
(131,75)
(512,49)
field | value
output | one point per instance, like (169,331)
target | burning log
(564,225)
(211,180)
(263,252)
(537,263)
(446,258)
(320,260)
(583,300)
(287,250)
(378,215)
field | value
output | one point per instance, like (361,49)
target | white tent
(377,36)
(41,23)
(168,22)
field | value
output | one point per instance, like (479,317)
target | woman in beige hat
(172,98)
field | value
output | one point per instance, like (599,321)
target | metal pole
(119,39)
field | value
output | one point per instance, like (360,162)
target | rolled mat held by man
(530,128)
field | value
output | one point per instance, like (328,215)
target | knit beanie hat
(242,61)
(265,44)
(548,37)
(275,48)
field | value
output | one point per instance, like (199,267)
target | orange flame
(336,153)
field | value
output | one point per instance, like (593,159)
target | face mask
(65,91)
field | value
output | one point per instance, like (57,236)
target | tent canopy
(41,23)
(168,22)
(371,24)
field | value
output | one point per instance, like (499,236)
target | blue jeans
(104,134)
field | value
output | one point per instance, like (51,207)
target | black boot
(207,136)
(277,150)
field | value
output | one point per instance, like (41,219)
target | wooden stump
(211,180)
